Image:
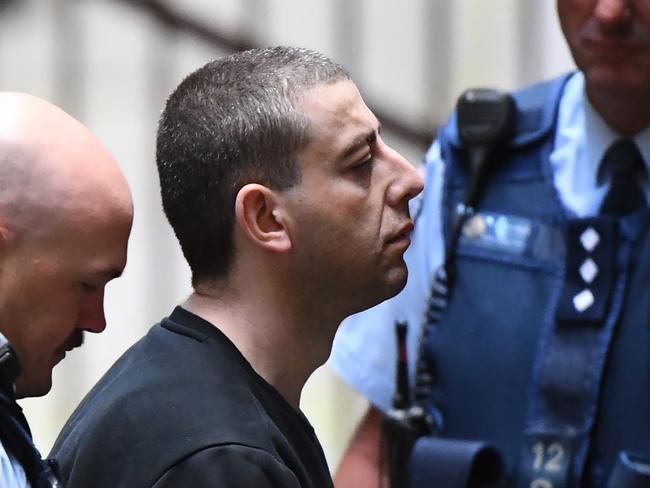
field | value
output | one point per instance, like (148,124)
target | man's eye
(365,165)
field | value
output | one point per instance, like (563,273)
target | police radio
(485,121)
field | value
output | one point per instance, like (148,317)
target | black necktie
(624,165)
(592,242)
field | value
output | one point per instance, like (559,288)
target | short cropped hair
(232,122)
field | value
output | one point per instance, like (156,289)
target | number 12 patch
(546,460)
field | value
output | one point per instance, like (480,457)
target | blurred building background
(111,63)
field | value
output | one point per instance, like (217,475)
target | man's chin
(396,281)
(610,78)
(30,389)
(393,283)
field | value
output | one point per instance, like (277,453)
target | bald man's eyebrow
(107,274)
(116,273)
(360,142)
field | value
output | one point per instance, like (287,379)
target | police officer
(65,218)
(542,348)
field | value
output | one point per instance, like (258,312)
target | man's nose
(407,181)
(91,316)
(612,14)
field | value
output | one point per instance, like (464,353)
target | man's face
(351,206)
(610,42)
(52,289)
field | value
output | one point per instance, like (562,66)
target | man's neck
(282,346)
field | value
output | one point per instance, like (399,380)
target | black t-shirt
(183,408)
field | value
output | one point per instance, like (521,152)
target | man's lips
(402,233)
(616,45)
(74,341)
(630,38)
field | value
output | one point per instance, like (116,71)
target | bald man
(65,219)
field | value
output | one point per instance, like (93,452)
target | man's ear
(262,218)
(4,237)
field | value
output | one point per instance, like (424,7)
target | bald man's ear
(261,218)
(4,237)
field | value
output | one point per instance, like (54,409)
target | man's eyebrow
(360,142)
(116,273)
(108,274)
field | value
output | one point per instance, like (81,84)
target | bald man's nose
(91,316)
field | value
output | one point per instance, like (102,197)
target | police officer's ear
(261,218)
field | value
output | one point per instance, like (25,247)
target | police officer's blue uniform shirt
(12,474)
(364,349)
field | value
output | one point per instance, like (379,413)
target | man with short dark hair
(292,213)
(65,219)
(540,346)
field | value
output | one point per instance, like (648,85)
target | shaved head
(65,217)
(50,164)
